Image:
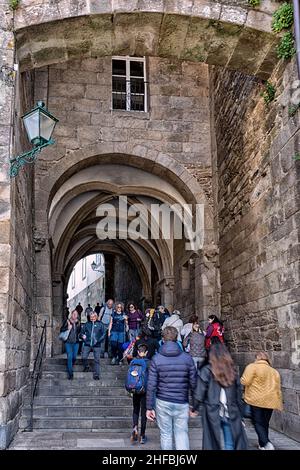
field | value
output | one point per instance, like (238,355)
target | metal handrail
(36,373)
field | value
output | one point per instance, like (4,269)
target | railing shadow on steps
(36,373)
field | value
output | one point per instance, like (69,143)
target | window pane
(137,85)
(137,103)
(136,68)
(119,84)
(119,67)
(119,100)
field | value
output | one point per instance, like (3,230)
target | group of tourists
(177,371)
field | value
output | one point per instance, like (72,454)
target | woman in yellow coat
(263,393)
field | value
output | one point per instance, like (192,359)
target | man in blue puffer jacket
(172,375)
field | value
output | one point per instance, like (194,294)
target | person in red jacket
(214,331)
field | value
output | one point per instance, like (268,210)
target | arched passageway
(78,202)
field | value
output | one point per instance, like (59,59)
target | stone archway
(66,216)
(232,36)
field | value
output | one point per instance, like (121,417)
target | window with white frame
(129,85)
(83,268)
(73,279)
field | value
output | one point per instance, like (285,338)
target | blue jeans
(227,433)
(133,334)
(103,344)
(173,418)
(72,351)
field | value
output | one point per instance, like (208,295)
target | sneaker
(96,377)
(261,448)
(70,377)
(269,446)
(113,362)
(134,436)
(86,369)
(143,440)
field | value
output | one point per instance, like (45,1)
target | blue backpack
(137,376)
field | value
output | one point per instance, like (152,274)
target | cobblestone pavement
(68,440)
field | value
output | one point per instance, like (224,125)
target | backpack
(137,375)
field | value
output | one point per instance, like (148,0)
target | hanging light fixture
(39,125)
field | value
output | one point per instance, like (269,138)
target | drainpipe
(296,5)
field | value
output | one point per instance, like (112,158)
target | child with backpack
(136,385)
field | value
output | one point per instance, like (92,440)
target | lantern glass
(47,124)
(32,125)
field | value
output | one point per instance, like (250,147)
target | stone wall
(16,243)
(259,226)
(127,283)
(90,295)
(79,95)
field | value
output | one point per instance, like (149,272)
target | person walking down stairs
(117,333)
(92,334)
(72,325)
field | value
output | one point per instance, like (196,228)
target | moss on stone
(194,53)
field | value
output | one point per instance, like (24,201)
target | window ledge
(131,114)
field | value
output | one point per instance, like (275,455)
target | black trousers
(139,407)
(261,419)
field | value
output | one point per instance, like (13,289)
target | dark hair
(222,365)
(170,334)
(143,348)
(193,319)
(131,303)
(215,340)
(215,319)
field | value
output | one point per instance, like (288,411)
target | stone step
(60,375)
(81,383)
(63,360)
(85,412)
(116,369)
(70,391)
(109,423)
(88,400)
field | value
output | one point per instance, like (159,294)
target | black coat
(208,393)
(172,375)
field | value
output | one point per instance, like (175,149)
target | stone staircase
(82,404)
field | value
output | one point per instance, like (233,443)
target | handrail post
(35,375)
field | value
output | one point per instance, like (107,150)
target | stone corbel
(210,255)
(57,279)
(39,242)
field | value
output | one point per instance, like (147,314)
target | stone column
(58,290)
(7,424)
(207,282)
